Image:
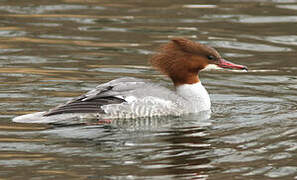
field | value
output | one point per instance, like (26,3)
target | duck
(180,59)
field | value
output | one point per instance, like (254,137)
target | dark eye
(210,57)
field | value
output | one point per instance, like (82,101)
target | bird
(180,59)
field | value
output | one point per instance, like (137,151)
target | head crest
(194,47)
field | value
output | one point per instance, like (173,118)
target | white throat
(196,95)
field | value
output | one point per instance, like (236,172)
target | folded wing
(112,92)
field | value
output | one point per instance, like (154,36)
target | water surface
(51,51)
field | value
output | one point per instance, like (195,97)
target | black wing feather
(80,105)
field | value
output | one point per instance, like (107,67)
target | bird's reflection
(171,146)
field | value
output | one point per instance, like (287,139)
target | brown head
(182,59)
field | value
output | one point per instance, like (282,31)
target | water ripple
(52,51)
(250,46)
(267,19)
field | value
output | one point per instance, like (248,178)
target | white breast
(196,96)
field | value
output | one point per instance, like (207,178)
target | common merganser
(180,59)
